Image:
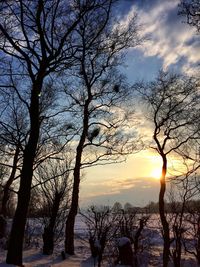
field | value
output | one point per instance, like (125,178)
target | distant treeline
(153,207)
(190,206)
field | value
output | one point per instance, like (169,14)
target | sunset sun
(156,173)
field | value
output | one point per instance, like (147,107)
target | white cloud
(168,38)
(109,187)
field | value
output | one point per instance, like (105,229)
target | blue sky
(171,45)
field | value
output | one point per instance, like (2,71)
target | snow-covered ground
(33,256)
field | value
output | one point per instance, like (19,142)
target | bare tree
(99,221)
(117,207)
(12,138)
(192,238)
(172,103)
(56,192)
(106,227)
(14,131)
(180,195)
(3,224)
(191,10)
(36,41)
(95,95)
(186,190)
(131,225)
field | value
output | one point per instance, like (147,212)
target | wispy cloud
(110,186)
(169,38)
(137,191)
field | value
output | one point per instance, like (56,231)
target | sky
(171,45)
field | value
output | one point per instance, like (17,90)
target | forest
(67,106)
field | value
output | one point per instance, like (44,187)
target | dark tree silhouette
(14,127)
(191,10)
(172,104)
(36,40)
(99,221)
(101,89)
(55,187)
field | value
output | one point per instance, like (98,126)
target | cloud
(168,37)
(138,191)
(110,186)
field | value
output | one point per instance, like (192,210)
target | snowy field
(32,256)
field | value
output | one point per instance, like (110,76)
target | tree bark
(165,225)
(3,225)
(69,228)
(198,242)
(126,254)
(6,190)
(136,240)
(15,246)
(48,235)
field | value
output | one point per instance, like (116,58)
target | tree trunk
(3,225)
(94,249)
(136,240)
(198,242)
(48,241)
(137,236)
(69,229)
(6,190)
(48,235)
(126,254)
(102,248)
(198,256)
(15,246)
(165,225)
(178,246)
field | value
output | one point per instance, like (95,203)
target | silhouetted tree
(14,128)
(191,10)
(182,191)
(36,41)
(192,243)
(55,188)
(101,229)
(172,104)
(95,95)
(117,207)
(127,207)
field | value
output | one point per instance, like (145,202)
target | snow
(89,262)
(33,256)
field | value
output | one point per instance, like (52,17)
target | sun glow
(156,173)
